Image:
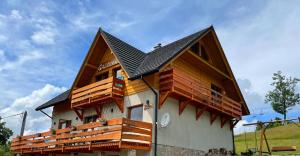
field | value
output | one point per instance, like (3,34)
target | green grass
(288,135)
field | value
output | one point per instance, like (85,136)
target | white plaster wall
(67,115)
(185,131)
(141,98)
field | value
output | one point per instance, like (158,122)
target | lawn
(288,135)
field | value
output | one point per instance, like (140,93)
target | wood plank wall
(197,73)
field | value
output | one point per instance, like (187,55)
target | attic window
(200,51)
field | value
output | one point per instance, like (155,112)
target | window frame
(90,116)
(62,121)
(135,106)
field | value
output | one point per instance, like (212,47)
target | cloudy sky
(42,44)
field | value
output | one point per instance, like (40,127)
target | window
(203,53)
(64,123)
(195,49)
(90,119)
(200,51)
(102,76)
(216,94)
(135,112)
(117,73)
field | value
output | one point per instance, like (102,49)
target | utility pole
(23,125)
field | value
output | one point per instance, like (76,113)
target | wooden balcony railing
(176,83)
(116,135)
(108,89)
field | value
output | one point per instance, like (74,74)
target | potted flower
(73,128)
(103,121)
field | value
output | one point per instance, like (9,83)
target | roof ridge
(201,30)
(101,30)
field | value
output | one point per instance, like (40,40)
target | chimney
(157,46)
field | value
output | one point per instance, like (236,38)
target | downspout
(233,142)
(155,114)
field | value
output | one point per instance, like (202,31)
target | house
(179,99)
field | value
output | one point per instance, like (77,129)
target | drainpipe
(155,114)
(233,142)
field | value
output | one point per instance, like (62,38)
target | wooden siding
(196,72)
(116,135)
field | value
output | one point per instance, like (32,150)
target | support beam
(79,113)
(91,66)
(199,112)
(46,114)
(182,105)
(213,117)
(233,123)
(98,110)
(162,98)
(223,121)
(120,104)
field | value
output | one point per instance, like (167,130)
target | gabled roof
(129,56)
(135,62)
(56,100)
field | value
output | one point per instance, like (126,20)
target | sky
(43,43)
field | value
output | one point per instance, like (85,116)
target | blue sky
(42,44)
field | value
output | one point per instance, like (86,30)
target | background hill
(288,135)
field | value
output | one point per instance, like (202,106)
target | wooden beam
(79,114)
(199,112)
(120,104)
(209,65)
(223,121)
(213,117)
(91,66)
(182,105)
(162,98)
(99,111)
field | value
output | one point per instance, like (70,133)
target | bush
(4,150)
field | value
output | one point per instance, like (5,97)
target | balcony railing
(116,135)
(179,84)
(108,89)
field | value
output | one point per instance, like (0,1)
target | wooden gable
(98,58)
(213,70)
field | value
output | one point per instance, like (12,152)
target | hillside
(288,135)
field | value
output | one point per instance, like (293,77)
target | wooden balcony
(182,86)
(116,135)
(108,90)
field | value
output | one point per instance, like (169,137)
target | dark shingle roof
(58,99)
(158,57)
(134,61)
(129,56)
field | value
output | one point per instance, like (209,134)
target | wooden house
(179,99)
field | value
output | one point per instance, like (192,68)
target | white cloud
(3,38)
(21,60)
(44,36)
(15,14)
(239,128)
(36,121)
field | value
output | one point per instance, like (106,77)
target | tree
(5,133)
(283,96)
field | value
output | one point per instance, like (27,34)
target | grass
(288,135)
